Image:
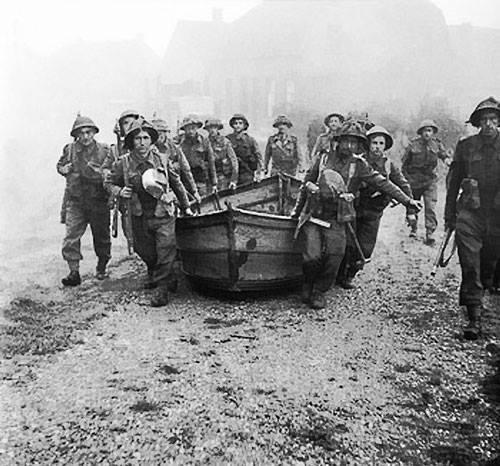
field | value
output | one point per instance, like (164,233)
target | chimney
(217,15)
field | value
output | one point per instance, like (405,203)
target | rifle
(441,260)
(127,212)
(114,218)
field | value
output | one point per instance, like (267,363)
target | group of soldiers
(348,181)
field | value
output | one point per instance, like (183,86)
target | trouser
(245,177)
(429,193)
(154,242)
(478,252)
(78,216)
(366,228)
(322,253)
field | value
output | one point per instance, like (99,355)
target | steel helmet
(427,124)
(331,183)
(239,116)
(82,122)
(490,104)
(282,120)
(352,128)
(213,122)
(191,120)
(155,182)
(136,127)
(160,125)
(381,131)
(128,113)
(338,115)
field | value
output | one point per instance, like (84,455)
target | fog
(394,59)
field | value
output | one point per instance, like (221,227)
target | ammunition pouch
(345,211)
(470,198)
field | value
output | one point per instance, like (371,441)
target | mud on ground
(94,376)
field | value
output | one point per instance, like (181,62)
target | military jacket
(475,172)
(355,171)
(420,161)
(89,165)
(247,152)
(226,163)
(173,155)
(200,157)
(283,153)
(370,198)
(324,143)
(142,203)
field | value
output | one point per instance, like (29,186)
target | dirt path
(380,377)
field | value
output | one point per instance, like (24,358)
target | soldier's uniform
(153,222)
(200,157)
(323,248)
(226,162)
(174,155)
(247,152)
(326,141)
(475,173)
(419,166)
(370,207)
(86,200)
(282,151)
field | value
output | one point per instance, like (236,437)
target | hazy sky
(46,25)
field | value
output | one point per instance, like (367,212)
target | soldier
(371,204)
(199,154)
(246,149)
(176,157)
(419,166)
(323,248)
(475,174)
(120,129)
(83,163)
(282,149)
(325,142)
(226,163)
(151,205)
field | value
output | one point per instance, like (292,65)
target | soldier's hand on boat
(66,169)
(349,197)
(257,177)
(294,213)
(126,192)
(188,212)
(312,188)
(416,205)
(214,190)
(232,185)
(197,197)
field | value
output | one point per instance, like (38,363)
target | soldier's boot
(73,279)
(307,290)
(348,284)
(429,238)
(100,270)
(318,300)
(473,329)
(160,297)
(173,285)
(149,284)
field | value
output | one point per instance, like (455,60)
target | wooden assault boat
(243,239)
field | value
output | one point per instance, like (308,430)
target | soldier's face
(377,145)
(125,123)
(427,133)
(212,131)
(334,123)
(350,145)
(282,129)
(86,136)
(489,123)
(238,125)
(142,142)
(191,131)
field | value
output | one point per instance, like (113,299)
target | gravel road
(94,376)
